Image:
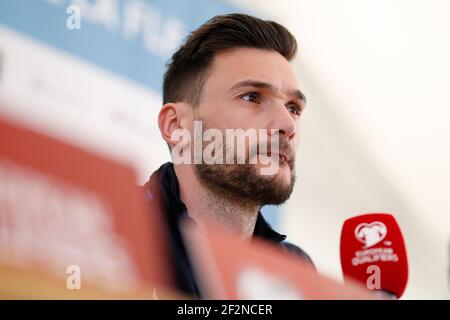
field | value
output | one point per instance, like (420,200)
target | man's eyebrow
(265,85)
(299,95)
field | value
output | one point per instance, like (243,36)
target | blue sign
(134,38)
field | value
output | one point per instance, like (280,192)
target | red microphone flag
(373,252)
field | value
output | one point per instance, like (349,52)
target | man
(233,72)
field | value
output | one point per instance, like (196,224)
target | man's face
(252,89)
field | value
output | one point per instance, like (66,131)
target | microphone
(373,253)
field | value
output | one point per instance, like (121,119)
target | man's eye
(251,97)
(295,109)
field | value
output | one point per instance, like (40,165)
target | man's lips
(281,156)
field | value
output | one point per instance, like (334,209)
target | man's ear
(171,117)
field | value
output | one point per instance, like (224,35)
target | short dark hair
(188,68)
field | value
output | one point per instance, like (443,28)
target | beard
(242,183)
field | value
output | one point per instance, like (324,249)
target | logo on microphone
(370,233)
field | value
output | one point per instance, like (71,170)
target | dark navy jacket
(162,193)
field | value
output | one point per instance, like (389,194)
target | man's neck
(202,203)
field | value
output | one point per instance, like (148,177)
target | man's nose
(283,121)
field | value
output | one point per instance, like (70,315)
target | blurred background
(374,137)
